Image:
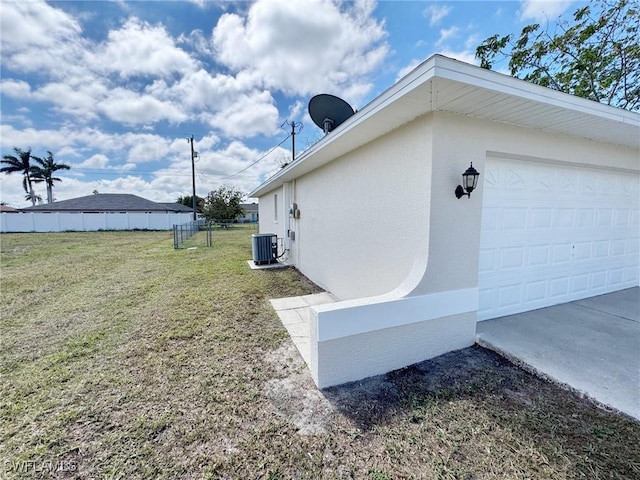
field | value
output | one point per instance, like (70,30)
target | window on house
(275,207)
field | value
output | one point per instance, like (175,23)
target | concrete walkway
(294,315)
(592,345)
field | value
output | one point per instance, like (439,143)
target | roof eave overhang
(444,84)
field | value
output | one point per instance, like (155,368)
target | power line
(111,172)
(260,159)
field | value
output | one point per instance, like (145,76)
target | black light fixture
(469,180)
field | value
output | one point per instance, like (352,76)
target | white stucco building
(369,214)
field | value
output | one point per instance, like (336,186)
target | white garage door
(553,234)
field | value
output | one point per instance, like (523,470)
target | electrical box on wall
(292,235)
(292,210)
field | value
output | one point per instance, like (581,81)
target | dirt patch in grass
(123,358)
(293,394)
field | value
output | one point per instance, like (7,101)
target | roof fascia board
(440,67)
(455,70)
(417,77)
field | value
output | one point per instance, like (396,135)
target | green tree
(21,162)
(33,198)
(596,55)
(43,172)
(187,200)
(223,205)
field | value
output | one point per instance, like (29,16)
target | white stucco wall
(382,229)
(266,208)
(368,218)
(364,218)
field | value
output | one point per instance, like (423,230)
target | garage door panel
(580,283)
(552,234)
(631,275)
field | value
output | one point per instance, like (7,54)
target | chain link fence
(193,234)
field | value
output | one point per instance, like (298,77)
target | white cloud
(131,108)
(139,74)
(436,13)
(198,41)
(448,34)
(219,167)
(39,38)
(34,23)
(139,48)
(16,88)
(302,50)
(472,41)
(249,115)
(200,90)
(78,99)
(94,161)
(45,139)
(148,147)
(541,10)
(115,154)
(296,110)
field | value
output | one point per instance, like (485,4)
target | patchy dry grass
(123,358)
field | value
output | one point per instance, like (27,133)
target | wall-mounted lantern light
(469,182)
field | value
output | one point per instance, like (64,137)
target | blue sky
(114,89)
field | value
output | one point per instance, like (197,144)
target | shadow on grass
(471,372)
(474,390)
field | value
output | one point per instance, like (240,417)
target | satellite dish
(328,111)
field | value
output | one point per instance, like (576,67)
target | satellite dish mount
(327,125)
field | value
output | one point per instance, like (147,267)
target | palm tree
(187,201)
(36,198)
(20,163)
(44,172)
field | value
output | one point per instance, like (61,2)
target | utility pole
(193,178)
(293,140)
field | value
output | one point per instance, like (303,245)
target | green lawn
(121,357)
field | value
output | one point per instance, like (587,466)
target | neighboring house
(250,213)
(8,209)
(369,214)
(109,203)
(102,211)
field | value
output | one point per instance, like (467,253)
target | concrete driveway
(592,345)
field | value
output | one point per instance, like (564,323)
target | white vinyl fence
(89,222)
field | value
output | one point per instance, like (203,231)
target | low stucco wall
(355,339)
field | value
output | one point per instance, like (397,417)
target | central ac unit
(265,248)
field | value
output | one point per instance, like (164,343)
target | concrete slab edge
(269,266)
(548,378)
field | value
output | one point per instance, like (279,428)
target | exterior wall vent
(265,248)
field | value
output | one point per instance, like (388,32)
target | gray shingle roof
(250,207)
(108,202)
(177,207)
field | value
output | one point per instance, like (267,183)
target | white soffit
(444,84)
